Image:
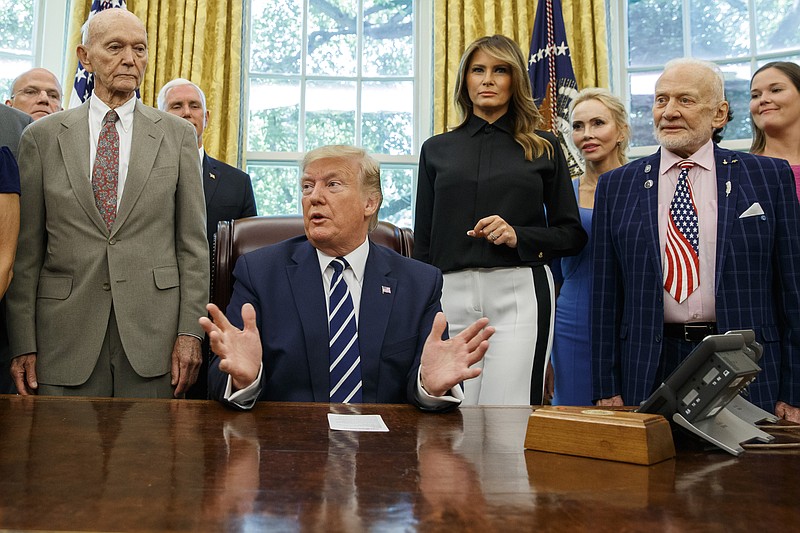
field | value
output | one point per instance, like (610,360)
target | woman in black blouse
(494,204)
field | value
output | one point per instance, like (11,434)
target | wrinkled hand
(187,357)
(447,363)
(789,412)
(239,350)
(495,230)
(614,401)
(23,372)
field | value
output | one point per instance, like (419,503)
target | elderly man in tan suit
(112,266)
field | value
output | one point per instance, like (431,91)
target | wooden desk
(159,465)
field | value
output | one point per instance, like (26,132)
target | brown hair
(522,108)
(792,71)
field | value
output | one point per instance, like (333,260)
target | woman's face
(774,101)
(594,131)
(489,86)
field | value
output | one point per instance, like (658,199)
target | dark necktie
(345,360)
(681,252)
(105,174)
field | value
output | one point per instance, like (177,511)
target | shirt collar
(357,260)
(476,124)
(202,152)
(98,110)
(704,158)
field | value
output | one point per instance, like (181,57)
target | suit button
(658,338)
(541,255)
(112,242)
(106,286)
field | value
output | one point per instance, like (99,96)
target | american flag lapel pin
(386,290)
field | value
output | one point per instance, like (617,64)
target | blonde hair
(369,170)
(522,109)
(618,113)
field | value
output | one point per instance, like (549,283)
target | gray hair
(717,82)
(370,169)
(177,82)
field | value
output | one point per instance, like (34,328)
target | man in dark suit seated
(340,319)
(691,241)
(228,190)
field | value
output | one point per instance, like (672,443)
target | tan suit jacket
(153,267)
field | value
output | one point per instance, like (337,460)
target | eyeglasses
(33,92)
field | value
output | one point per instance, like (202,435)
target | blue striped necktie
(345,360)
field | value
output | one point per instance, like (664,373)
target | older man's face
(184,101)
(37,93)
(684,111)
(336,210)
(117,54)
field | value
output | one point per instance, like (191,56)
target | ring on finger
(493,236)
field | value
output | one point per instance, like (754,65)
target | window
(739,36)
(32,33)
(336,72)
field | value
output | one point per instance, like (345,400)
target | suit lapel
(728,171)
(377,297)
(210,178)
(146,141)
(73,141)
(306,283)
(648,206)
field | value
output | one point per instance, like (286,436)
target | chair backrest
(237,237)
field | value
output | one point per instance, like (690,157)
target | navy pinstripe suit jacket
(757,282)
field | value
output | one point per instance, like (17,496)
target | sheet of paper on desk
(356,422)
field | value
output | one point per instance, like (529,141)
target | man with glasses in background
(36,92)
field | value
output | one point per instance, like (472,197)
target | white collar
(357,260)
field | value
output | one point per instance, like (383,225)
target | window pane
(274,115)
(275,42)
(16,26)
(388,38)
(332,37)
(737,92)
(330,113)
(387,110)
(276,188)
(776,25)
(641,110)
(719,29)
(397,183)
(9,70)
(655,31)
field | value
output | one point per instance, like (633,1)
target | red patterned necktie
(105,174)
(681,253)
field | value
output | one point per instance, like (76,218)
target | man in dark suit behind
(112,267)
(228,190)
(282,291)
(744,251)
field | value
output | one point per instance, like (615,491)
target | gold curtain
(200,40)
(466,20)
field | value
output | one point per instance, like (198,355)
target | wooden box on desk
(624,436)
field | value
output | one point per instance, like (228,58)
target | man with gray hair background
(691,241)
(228,190)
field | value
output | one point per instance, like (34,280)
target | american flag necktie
(345,360)
(681,252)
(105,173)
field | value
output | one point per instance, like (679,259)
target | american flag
(681,253)
(84,81)
(552,78)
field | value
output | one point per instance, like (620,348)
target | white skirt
(519,303)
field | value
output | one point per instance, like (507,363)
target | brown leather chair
(237,237)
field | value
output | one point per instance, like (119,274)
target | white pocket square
(752,211)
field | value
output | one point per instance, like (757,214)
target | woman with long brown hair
(494,205)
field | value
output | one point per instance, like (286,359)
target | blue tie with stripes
(345,360)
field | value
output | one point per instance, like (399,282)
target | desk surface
(164,465)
